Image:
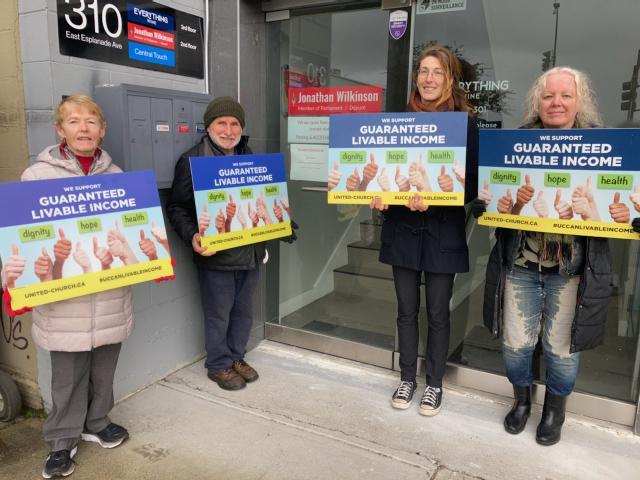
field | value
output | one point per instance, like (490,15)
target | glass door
(330,280)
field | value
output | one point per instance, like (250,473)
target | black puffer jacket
(181,210)
(432,241)
(591,260)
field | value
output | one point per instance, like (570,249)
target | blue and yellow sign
(69,237)
(240,199)
(578,182)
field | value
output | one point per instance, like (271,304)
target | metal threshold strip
(579,403)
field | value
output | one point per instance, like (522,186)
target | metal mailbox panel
(162,133)
(140,150)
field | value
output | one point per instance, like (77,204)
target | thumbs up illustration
(334,176)
(618,210)
(445,182)
(353,181)
(565,212)
(505,204)
(14,266)
(204,220)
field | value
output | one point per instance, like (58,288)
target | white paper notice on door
(309,162)
(308,130)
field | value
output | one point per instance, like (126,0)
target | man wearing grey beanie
(227,278)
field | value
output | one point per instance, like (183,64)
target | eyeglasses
(437,74)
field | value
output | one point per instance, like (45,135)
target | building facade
(327,292)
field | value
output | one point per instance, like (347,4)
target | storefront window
(330,281)
(501,62)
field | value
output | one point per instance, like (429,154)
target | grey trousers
(81,393)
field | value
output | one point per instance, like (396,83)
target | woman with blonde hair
(83,335)
(560,283)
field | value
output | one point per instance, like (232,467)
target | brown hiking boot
(246,371)
(227,379)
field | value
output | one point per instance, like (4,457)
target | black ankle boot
(517,417)
(548,432)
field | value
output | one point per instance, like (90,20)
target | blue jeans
(227,305)
(531,297)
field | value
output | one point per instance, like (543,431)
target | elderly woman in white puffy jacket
(83,334)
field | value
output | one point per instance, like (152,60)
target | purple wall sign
(398,23)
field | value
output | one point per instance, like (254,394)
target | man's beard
(218,140)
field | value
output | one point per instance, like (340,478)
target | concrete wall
(168,331)
(17,352)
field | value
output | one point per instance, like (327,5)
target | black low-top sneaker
(402,396)
(59,463)
(431,401)
(109,437)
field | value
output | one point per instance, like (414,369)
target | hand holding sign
(565,212)
(102,254)
(43,266)
(198,248)
(81,257)
(13,267)
(505,203)
(416,204)
(334,176)
(445,182)
(204,221)
(540,206)
(618,210)
(147,246)
(376,203)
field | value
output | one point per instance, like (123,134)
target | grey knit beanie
(221,107)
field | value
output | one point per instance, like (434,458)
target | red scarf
(417,105)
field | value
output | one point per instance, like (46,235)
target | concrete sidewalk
(313,416)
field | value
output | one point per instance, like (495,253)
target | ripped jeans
(531,297)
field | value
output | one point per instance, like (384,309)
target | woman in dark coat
(420,240)
(561,281)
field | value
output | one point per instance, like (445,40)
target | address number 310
(100,13)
